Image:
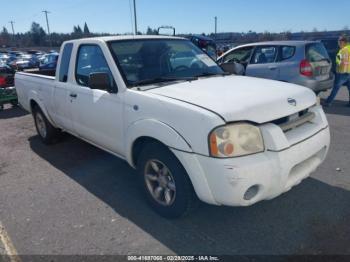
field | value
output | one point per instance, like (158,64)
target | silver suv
(304,63)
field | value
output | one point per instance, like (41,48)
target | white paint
(10,249)
(181,116)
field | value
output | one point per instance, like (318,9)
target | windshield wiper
(208,74)
(162,80)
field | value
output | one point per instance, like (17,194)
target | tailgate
(319,59)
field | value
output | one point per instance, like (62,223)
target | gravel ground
(72,198)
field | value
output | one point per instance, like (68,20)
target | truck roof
(124,37)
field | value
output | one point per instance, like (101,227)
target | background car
(25,62)
(49,63)
(205,43)
(305,63)
(4,57)
(6,76)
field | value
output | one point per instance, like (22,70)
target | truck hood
(239,98)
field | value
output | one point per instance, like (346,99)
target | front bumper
(244,181)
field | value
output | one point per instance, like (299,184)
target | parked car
(15,53)
(35,52)
(7,75)
(205,43)
(49,63)
(4,57)
(305,63)
(188,130)
(25,62)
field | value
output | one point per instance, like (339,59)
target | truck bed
(33,85)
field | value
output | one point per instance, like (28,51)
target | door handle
(72,95)
(272,67)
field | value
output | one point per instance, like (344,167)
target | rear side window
(316,52)
(64,67)
(287,52)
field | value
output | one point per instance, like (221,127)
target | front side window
(91,60)
(154,60)
(264,55)
(239,55)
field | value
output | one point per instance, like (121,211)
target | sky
(187,16)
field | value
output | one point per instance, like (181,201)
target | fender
(33,95)
(171,138)
(154,129)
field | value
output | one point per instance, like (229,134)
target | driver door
(96,113)
(263,63)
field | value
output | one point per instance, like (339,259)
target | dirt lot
(72,198)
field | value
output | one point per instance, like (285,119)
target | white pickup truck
(171,112)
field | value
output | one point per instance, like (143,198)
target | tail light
(306,68)
(3,81)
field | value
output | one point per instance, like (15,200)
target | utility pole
(135,17)
(13,32)
(48,27)
(216,25)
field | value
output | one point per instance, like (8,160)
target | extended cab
(189,128)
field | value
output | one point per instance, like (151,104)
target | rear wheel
(165,182)
(47,132)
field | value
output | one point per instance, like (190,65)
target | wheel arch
(147,131)
(37,103)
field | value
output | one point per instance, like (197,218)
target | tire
(177,196)
(47,132)
(1,107)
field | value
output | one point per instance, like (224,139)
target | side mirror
(101,81)
(233,68)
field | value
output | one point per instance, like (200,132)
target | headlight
(235,140)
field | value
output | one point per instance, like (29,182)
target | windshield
(142,61)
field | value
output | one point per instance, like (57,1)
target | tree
(86,29)
(37,34)
(77,30)
(5,37)
(151,31)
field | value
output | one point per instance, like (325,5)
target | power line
(13,32)
(48,27)
(135,17)
(131,17)
(216,25)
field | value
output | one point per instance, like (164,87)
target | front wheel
(165,182)
(47,132)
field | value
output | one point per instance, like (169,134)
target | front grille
(293,121)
